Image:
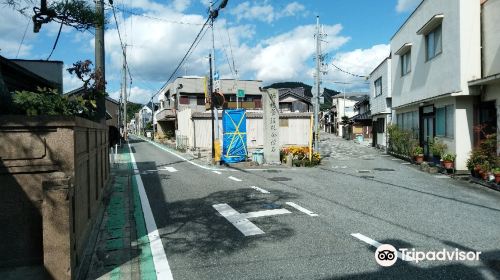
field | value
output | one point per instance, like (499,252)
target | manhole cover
(279,179)
(367,177)
(383,169)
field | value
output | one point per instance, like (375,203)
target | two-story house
(435,53)
(381,102)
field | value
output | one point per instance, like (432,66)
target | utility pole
(210,88)
(124,92)
(213,15)
(319,71)
(99,61)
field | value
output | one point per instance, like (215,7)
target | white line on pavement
(302,209)
(216,172)
(406,163)
(179,156)
(264,213)
(376,244)
(234,179)
(169,169)
(259,189)
(244,225)
(157,250)
(395,159)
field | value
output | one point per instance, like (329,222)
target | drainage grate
(384,169)
(279,179)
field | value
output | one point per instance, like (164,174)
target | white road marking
(406,163)
(441,177)
(169,169)
(157,250)
(243,225)
(179,156)
(234,179)
(240,220)
(302,209)
(216,172)
(395,159)
(259,189)
(376,244)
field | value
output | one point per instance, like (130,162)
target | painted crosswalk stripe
(234,179)
(216,172)
(376,244)
(302,209)
(259,189)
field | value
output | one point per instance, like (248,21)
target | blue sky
(269,40)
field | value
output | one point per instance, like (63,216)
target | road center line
(157,250)
(302,209)
(234,179)
(376,244)
(259,189)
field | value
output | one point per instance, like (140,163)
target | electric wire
(347,72)
(55,43)
(121,42)
(155,18)
(24,35)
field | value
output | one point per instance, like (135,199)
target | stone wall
(53,172)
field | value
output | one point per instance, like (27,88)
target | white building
(145,116)
(343,105)
(381,102)
(435,53)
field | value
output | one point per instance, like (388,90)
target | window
(409,121)
(445,118)
(378,86)
(433,43)
(406,63)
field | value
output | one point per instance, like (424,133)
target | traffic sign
(241,93)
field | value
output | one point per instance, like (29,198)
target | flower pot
(497,178)
(448,164)
(419,159)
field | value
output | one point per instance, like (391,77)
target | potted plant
(437,148)
(485,168)
(448,159)
(496,172)
(418,153)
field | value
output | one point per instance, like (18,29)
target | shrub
(401,141)
(48,102)
(438,147)
(448,157)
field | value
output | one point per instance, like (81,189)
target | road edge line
(160,261)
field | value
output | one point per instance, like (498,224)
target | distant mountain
(327,94)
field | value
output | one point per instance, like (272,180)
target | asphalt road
(347,203)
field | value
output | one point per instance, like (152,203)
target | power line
(155,18)
(121,42)
(24,35)
(185,56)
(55,43)
(347,72)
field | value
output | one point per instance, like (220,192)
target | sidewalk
(122,249)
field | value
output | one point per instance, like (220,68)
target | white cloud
(262,11)
(286,56)
(359,62)
(406,5)
(70,82)
(12,27)
(140,95)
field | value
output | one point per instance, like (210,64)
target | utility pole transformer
(99,61)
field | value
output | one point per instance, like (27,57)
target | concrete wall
(448,72)
(378,104)
(53,172)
